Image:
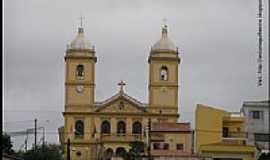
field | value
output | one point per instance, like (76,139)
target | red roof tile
(170,127)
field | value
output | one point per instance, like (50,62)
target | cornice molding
(81,57)
(121,114)
(151,58)
(79,83)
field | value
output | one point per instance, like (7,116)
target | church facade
(102,130)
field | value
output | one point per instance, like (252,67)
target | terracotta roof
(170,127)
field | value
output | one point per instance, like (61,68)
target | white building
(257,113)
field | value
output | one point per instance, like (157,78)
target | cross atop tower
(81,21)
(121,84)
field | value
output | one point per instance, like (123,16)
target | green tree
(136,151)
(46,152)
(264,156)
(6,144)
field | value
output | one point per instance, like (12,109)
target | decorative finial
(81,18)
(81,25)
(164,21)
(164,28)
(121,84)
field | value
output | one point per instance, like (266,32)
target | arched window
(137,128)
(108,154)
(80,71)
(121,152)
(105,127)
(79,128)
(121,127)
(164,73)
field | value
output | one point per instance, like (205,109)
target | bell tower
(80,62)
(163,76)
(80,74)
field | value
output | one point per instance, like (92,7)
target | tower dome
(164,44)
(80,41)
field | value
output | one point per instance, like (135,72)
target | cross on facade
(121,84)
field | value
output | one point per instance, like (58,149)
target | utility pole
(25,142)
(68,149)
(35,134)
(25,145)
(43,137)
(192,142)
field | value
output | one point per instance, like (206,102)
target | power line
(19,121)
(8,122)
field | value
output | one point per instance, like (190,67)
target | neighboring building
(257,114)
(221,135)
(106,128)
(172,141)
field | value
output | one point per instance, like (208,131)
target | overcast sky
(217,40)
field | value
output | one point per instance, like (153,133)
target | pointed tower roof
(164,44)
(80,41)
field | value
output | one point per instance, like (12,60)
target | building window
(261,137)
(121,127)
(80,71)
(164,73)
(179,147)
(156,146)
(120,152)
(78,153)
(79,128)
(105,127)
(137,128)
(165,146)
(225,132)
(256,114)
(108,154)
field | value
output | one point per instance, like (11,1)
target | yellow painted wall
(172,74)
(75,98)
(208,125)
(163,94)
(178,138)
(89,68)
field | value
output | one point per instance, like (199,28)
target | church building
(104,130)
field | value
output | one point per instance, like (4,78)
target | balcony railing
(235,135)
(120,137)
(235,138)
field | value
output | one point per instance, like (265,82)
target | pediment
(121,103)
